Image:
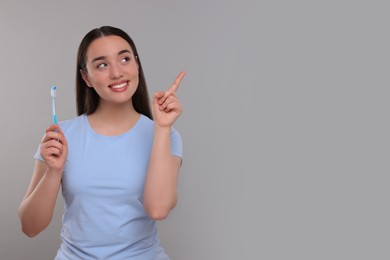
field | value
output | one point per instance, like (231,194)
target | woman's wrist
(162,128)
(54,173)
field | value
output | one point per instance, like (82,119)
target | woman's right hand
(54,148)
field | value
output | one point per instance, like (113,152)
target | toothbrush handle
(54,111)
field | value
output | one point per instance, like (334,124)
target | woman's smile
(119,87)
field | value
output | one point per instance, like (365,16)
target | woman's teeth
(119,86)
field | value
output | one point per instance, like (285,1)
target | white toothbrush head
(53,91)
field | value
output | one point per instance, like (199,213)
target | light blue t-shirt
(102,185)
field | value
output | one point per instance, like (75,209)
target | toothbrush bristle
(53,91)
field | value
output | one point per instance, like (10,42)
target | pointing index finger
(177,82)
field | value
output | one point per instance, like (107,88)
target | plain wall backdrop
(285,123)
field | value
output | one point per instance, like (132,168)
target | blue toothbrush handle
(53,103)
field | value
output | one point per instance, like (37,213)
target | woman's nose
(115,71)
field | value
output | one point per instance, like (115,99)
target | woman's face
(112,69)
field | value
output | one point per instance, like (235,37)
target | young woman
(117,167)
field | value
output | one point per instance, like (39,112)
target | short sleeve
(176,143)
(38,155)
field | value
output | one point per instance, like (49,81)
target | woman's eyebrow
(104,57)
(124,51)
(98,58)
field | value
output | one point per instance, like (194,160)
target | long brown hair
(87,99)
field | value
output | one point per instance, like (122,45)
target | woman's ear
(85,77)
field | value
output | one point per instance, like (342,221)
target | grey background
(285,120)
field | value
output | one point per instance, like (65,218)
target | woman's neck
(113,119)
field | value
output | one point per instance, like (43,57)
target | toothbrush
(53,102)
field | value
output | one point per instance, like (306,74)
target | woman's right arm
(37,206)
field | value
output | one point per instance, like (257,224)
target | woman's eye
(125,59)
(101,65)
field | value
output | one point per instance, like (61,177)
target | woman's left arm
(160,193)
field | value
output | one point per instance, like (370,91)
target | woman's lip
(120,86)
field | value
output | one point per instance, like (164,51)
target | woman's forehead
(107,46)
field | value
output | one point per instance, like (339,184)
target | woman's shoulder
(75,122)
(146,120)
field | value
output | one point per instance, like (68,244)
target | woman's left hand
(166,106)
